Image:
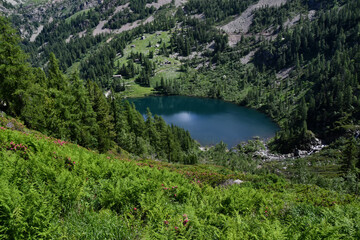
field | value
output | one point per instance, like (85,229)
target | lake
(209,121)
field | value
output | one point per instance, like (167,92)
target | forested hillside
(321,93)
(77,111)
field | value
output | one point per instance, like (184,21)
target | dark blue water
(209,121)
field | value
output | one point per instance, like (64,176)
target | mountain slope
(56,189)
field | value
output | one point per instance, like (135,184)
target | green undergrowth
(51,189)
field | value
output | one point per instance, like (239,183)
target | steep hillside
(55,189)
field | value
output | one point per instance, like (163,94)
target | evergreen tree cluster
(193,34)
(139,6)
(100,66)
(152,137)
(275,17)
(69,109)
(325,55)
(53,37)
(64,40)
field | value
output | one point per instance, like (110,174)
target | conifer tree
(55,76)
(36,108)
(104,131)
(302,116)
(14,71)
(83,123)
(351,157)
(151,133)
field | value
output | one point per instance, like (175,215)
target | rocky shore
(266,155)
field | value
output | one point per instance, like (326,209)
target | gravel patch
(129,26)
(120,8)
(294,20)
(198,16)
(36,33)
(284,73)
(246,59)
(242,23)
(12,2)
(158,4)
(68,39)
(99,28)
(161,3)
(82,34)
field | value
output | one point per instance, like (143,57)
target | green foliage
(351,156)
(105,196)
(13,69)
(326,67)
(104,126)
(64,108)
(151,137)
(238,158)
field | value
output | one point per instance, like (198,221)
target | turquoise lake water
(209,121)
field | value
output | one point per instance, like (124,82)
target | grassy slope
(44,194)
(168,71)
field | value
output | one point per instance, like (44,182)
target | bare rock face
(242,23)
